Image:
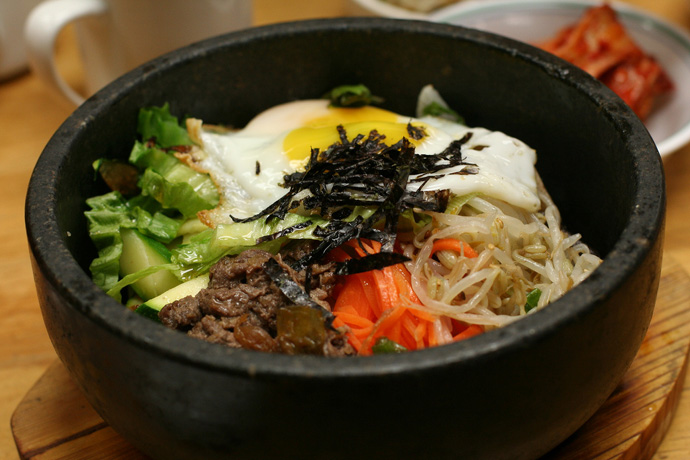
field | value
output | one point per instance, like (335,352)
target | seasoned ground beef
(239,307)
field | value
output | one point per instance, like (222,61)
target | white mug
(12,50)
(115,36)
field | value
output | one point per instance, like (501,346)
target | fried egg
(248,165)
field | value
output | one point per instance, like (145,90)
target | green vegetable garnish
(384,345)
(438,110)
(456,203)
(172,183)
(352,96)
(108,215)
(157,123)
(532,299)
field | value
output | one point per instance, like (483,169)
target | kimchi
(599,44)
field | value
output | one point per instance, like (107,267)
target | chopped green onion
(352,96)
(436,109)
(384,345)
(532,299)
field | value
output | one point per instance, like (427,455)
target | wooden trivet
(54,421)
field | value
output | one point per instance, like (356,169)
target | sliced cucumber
(140,252)
(151,307)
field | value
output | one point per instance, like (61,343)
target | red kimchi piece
(599,44)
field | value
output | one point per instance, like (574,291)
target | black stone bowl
(508,394)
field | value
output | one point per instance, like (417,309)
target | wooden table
(29,114)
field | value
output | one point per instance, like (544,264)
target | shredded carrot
(422,315)
(358,296)
(459,246)
(420,331)
(354,320)
(434,338)
(385,327)
(470,331)
(380,303)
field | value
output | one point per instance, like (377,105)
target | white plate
(388,10)
(536,20)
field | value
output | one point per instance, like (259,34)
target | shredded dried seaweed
(337,234)
(370,262)
(451,156)
(285,231)
(364,171)
(415,132)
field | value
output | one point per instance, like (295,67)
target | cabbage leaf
(110,213)
(157,123)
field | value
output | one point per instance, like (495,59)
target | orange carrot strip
(367,296)
(353,319)
(337,255)
(420,333)
(388,321)
(337,322)
(384,297)
(459,246)
(346,308)
(371,292)
(404,282)
(395,332)
(433,337)
(392,292)
(410,326)
(355,342)
(371,246)
(362,334)
(389,316)
(422,315)
(471,331)
(355,335)
(360,247)
(354,296)
(370,303)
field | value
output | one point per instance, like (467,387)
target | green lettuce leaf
(110,213)
(158,123)
(172,183)
(201,251)
(456,202)
(173,195)
(105,269)
(157,226)
(247,233)
(204,249)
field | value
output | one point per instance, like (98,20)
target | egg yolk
(321,132)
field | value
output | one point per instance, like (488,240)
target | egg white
(248,165)
(505,164)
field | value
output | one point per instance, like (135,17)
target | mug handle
(41,29)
